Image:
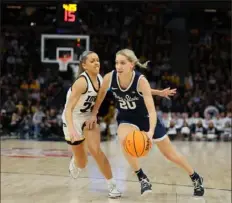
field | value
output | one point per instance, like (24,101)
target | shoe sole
(147,192)
(73,176)
(198,196)
(114,197)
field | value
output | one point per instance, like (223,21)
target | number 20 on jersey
(70,12)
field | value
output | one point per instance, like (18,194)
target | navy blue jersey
(131,106)
(129,101)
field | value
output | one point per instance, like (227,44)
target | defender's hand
(91,122)
(167,93)
(74,136)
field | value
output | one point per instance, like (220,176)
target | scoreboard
(67,14)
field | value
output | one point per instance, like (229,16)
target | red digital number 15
(69,16)
(69,12)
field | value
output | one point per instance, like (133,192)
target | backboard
(55,46)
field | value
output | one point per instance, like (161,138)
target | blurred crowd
(209,128)
(33,95)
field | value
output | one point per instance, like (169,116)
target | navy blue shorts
(143,125)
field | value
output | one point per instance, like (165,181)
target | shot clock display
(67,14)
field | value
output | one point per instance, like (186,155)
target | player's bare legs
(93,143)
(169,151)
(123,130)
(80,155)
(79,159)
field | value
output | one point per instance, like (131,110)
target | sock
(194,176)
(140,174)
(111,181)
(77,167)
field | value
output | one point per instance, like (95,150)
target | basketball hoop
(63,63)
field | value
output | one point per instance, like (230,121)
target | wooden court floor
(34,171)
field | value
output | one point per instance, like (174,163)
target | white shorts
(78,125)
(199,135)
(185,130)
(211,136)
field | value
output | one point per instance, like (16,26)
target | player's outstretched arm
(100,97)
(102,93)
(167,92)
(145,88)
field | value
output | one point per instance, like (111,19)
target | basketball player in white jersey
(79,103)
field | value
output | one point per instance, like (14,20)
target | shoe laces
(111,187)
(197,184)
(144,182)
(75,168)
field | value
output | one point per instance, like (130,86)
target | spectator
(198,131)
(212,133)
(227,133)
(185,131)
(172,132)
(37,120)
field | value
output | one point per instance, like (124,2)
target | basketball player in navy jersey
(79,102)
(136,109)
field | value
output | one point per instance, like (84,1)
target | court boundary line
(118,179)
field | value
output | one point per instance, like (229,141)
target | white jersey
(87,100)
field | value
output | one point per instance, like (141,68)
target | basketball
(137,143)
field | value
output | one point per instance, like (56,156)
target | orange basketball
(137,143)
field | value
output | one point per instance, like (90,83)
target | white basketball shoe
(113,191)
(73,170)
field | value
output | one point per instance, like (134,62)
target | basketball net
(63,63)
(75,68)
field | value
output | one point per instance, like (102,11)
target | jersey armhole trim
(138,85)
(99,83)
(86,83)
(87,75)
(110,83)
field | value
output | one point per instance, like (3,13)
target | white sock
(76,166)
(111,181)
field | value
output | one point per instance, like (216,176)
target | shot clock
(67,14)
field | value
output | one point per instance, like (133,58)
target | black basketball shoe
(198,187)
(145,186)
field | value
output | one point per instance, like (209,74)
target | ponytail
(130,55)
(142,65)
(82,59)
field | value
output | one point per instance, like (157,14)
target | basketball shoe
(113,191)
(73,170)
(198,187)
(145,186)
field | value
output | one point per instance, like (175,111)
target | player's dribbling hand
(91,122)
(150,136)
(74,136)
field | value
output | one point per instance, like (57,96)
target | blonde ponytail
(142,65)
(130,55)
